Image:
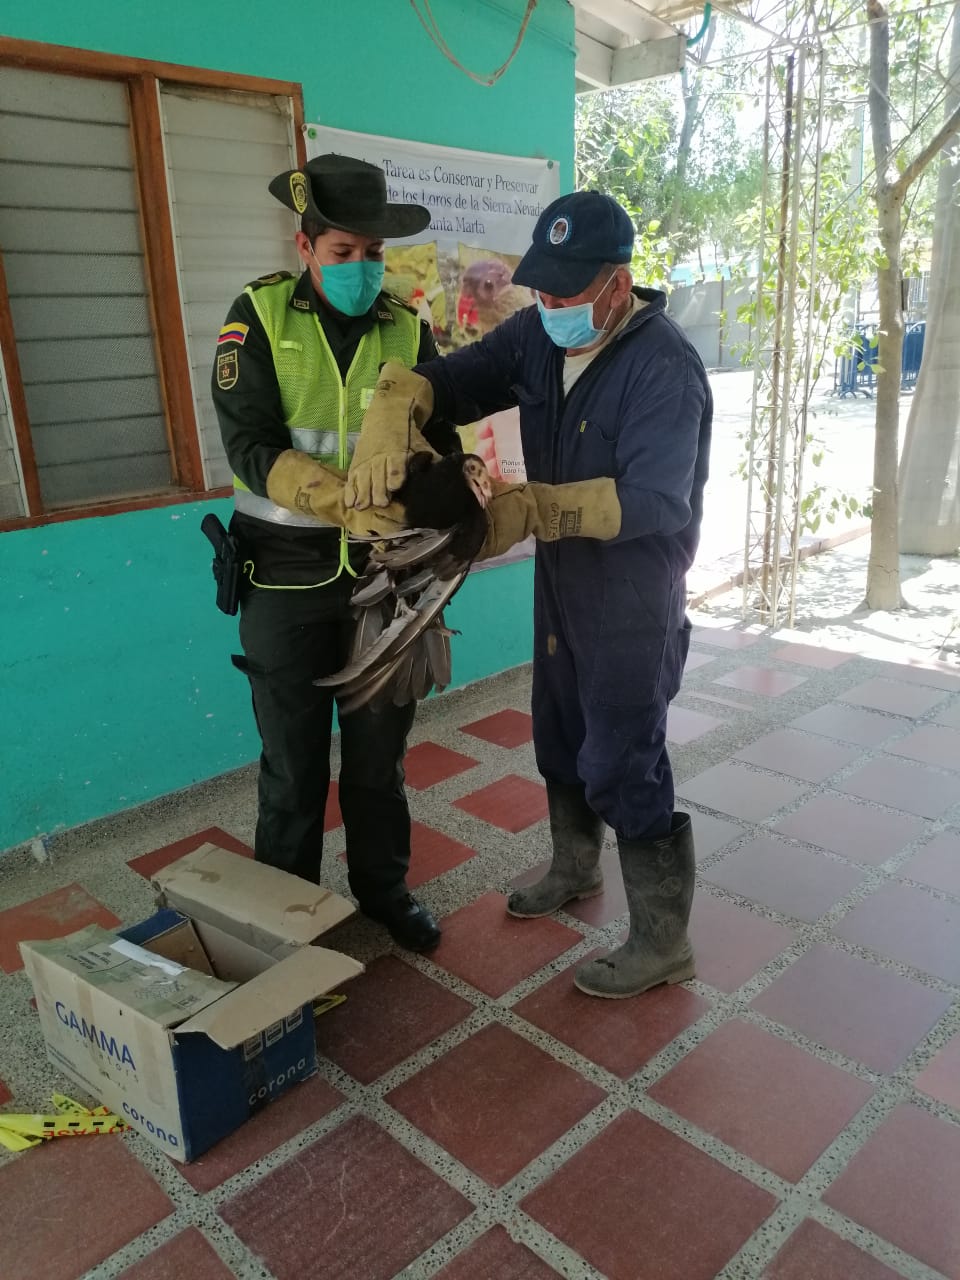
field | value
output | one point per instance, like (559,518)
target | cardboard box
(191,1021)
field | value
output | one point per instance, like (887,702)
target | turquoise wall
(115,679)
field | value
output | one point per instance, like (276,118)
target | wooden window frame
(142,78)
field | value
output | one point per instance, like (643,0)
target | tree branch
(947,130)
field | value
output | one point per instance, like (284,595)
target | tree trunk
(930,469)
(883,570)
(690,88)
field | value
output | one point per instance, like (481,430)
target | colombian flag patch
(234,333)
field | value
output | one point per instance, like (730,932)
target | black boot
(658,876)
(408,922)
(577,835)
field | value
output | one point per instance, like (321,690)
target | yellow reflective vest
(322,410)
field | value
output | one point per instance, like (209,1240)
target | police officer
(297,361)
(615,413)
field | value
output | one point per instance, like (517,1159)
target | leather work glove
(581,509)
(299,483)
(402,402)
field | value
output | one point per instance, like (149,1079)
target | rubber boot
(658,876)
(577,835)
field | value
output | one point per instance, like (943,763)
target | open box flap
(263,902)
(272,995)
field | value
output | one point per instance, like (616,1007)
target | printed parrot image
(487,296)
(401,647)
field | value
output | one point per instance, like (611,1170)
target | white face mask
(573,327)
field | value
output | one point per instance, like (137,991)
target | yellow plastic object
(72,1120)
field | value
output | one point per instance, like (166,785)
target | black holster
(227,563)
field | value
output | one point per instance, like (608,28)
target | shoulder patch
(235,332)
(274,278)
(228,369)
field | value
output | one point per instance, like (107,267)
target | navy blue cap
(575,236)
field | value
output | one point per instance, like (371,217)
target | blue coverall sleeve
(658,446)
(478,379)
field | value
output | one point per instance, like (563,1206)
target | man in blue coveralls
(612,395)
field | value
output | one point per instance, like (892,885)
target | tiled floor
(793,1113)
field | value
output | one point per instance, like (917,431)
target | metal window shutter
(70,231)
(222,149)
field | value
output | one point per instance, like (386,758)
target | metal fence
(854,372)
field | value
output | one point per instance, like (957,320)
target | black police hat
(575,236)
(348,194)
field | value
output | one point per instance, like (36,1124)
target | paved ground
(793,1113)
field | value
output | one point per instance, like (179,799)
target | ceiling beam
(594,62)
(652,58)
(625,16)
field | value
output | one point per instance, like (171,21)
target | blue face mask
(572,327)
(351,287)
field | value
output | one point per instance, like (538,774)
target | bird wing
(401,648)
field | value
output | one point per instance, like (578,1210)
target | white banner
(457,272)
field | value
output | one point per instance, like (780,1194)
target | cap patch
(560,230)
(298,190)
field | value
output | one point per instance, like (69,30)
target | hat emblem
(298,190)
(560,230)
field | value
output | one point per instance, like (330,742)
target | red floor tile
(492,950)
(695,660)
(504,729)
(812,655)
(764,1097)
(789,879)
(934,676)
(621,1035)
(910,787)
(761,680)
(495,1102)
(724,637)
(854,830)
(391,1012)
(427,764)
(53,916)
(844,1003)
(300,1107)
(147,864)
(355,1203)
(940,1079)
(332,816)
(711,834)
(894,696)
(639,1203)
(5,1094)
(432,853)
(188,1254)
(599,910)
(737,790)
(730,943)
(848,724)
(937,863)
(496,1257)
(814,1253)
(930,744)
(798,754)
(902,1184)
(92,1197)
(910,925)
(949,715)
(684,725)
(512,804)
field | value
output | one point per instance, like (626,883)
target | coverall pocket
(628,662)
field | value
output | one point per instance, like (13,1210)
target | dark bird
(401,647)
(488,295)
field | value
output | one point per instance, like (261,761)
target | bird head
(478,478)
